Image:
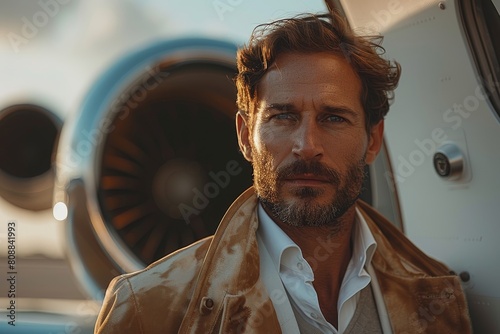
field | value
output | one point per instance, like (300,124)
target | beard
(307,211)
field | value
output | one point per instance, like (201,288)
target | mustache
(299,167)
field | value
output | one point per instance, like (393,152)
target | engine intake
(28,139)
(153,157)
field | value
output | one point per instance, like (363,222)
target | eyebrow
(280,107)
(340,110)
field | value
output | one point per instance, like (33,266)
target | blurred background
(117,141)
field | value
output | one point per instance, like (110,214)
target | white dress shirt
(285,258)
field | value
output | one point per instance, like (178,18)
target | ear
(243,135)
(375,140)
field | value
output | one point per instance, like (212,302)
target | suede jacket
(213,286)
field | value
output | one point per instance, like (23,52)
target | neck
(328,252)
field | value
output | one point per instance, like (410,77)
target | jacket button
(207,305)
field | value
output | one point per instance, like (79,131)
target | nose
(307,140)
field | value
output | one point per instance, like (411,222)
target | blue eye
(284,116)
(334,119)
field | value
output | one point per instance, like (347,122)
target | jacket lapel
(420,293)
(228,293)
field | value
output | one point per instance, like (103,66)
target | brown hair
(309,33)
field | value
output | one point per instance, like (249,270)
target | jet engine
(28,137)
(151,162)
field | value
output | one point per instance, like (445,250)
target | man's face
(308,142)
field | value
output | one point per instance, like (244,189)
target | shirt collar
(277,241)
(364,242)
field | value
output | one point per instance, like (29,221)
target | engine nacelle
(28,140)
(151,162)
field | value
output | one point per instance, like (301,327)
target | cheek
(274,149)
(345,153)
(266,140)
(357,143)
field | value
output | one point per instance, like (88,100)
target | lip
(307,180)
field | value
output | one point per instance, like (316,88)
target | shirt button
(300,266)
(314,316)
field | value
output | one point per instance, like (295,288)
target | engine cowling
(28,140)
(151,162)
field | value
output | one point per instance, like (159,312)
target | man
(298,253)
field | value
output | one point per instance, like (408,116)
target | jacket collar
(229,276)
(228,285)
